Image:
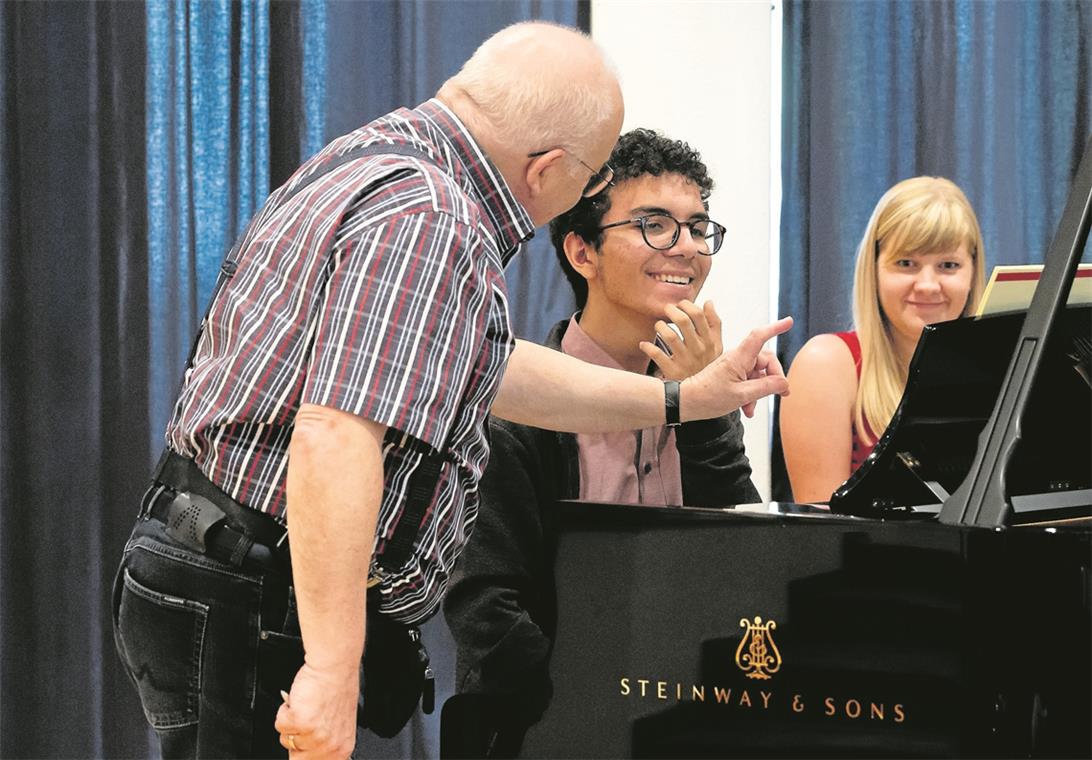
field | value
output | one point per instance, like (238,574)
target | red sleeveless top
(861,449)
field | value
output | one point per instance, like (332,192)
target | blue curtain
(207,146)
(74,370)
(996,96)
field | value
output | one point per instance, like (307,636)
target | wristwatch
(671,402)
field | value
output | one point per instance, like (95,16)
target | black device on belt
(199,515)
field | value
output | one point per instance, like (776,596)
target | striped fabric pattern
(403,321)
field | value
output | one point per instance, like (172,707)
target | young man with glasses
(636,255)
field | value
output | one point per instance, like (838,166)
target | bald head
(537,85)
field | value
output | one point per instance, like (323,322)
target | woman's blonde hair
(918,215)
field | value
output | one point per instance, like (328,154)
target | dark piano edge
(604,515)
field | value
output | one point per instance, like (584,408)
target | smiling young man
(636,254)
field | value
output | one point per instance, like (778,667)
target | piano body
(940,607)
(797,633)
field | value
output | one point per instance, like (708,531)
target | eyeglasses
(661,231)
(599,180)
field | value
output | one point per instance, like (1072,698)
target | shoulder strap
(373,149)
(419,491)
(853,343)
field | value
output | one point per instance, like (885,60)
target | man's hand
(318,719)
(738,378)
(697,343)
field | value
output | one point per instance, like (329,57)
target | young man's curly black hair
(638,152)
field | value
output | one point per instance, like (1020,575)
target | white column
(712,58)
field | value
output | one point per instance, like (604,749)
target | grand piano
(939,606)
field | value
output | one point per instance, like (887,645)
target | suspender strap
(422,486)
(375,149)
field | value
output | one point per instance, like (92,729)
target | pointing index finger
(756,338)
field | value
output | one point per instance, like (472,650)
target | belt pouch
(396,674)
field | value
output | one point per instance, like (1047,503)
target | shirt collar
(578,344)
(508,217)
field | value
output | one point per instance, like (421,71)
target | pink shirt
(627,467)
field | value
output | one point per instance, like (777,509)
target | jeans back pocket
(160,639)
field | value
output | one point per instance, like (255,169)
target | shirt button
(648,467)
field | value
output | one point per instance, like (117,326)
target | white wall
(713,56)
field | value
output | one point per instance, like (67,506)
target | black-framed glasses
(597,182)
(661,231)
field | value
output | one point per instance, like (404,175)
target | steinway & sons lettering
(760,699)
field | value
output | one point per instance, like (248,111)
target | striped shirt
(403,321)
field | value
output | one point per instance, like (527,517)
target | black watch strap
(671,402)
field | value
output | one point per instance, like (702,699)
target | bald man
(336,403)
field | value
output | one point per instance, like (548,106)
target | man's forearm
(547,389)
(335,482)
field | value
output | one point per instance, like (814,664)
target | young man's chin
(662,301)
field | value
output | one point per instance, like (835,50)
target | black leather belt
(201,516)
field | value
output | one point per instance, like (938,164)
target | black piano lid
(995,417)
(953,384)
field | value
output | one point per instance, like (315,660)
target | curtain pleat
(252,132)
(313,81)
(208,164)
(73,407)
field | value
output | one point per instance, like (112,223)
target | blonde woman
(921,261)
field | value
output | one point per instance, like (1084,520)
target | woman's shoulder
(822,382)
(825,354)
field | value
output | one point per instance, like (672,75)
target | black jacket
(500,603)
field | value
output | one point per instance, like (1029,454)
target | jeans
(209,646)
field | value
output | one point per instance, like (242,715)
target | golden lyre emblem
(757,654)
